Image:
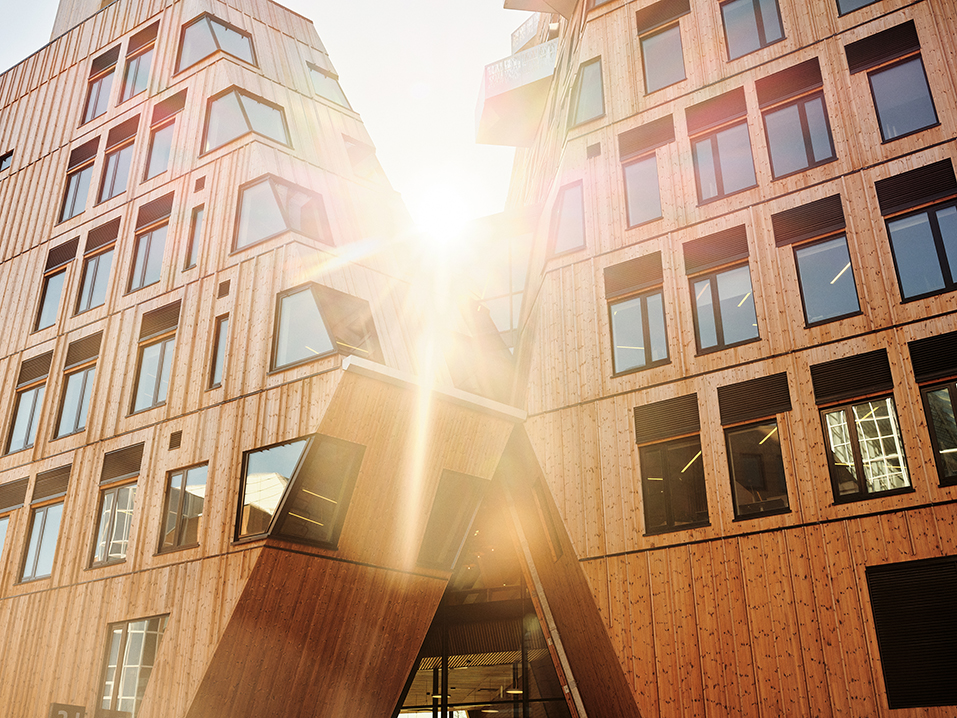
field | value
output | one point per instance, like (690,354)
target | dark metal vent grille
(916,624)
(123,131)
(104,234)
(814,219)
(154,211)
(729,245)
(791,82)
(200,184)
(934,357)
(647,137)
(12,495)
(175,440)
(665,419)
(82,154)
(51,484)
(916,187)
(170,106)
(593,151)
(716,111)
(61,254)
(633,275)
(852,377)
(754,399)
(661,13)
(223,289)
(35,368)
(882,47)
(122,463)
(160,320)
(82,350)
(105,61)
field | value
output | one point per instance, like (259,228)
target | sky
(412,69)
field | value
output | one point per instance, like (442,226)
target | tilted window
(101,82)
(206,35)
(155,356)
(636,148)
(31,383)
(270,206)
(588,101)
(139,58)
(568,219)
(457,501)
(326,84)
(195,236)
(636,307)
(220,340)
(721,145)
(235,113)
(183,509)
(117,498)
(6,160)
(130,657)
(79,173)
(54,276)
(750,25)
(659,33)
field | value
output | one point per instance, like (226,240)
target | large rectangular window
(97,262)
(113,529)
(826,278)
(183,509)
(659,34)
(155,357)
(750,25)
(637,148)
(50,299)
(724,309)
(637,314)
(79,174)
(130,657)
(721,145)
(31,383)
(673,486)
(939,402)
(206,35)
(119,157)
(924,245)
(76,401)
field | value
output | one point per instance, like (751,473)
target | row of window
(863,442)
(794,117)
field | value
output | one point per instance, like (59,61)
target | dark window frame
(711,135)
(115,151)
(801,103)
(271,178)
(573,120)
(178,544)
(634,160)
(890,64)
(44,286)
(251,131)
(798,246)
(218,352)
(661,446)
(114,487)
(660,30)
(76,172)
(951,387)
(759,23)
(95,82)
(238,536)
(645,328)
(743,426)
(136,56)
(930,212)
(229,26)
(306,287)
(6,160)
(712,276)
(134,285)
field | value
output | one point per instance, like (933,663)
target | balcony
(565,8)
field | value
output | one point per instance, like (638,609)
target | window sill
(917,298)
(762,514)
(255,134)
(909,134)
(822,322)
(638,369)
(304,362)
(712,350)
(145,409)
(105,564)
(665,87)
(645,223)
(763,47)
(775,178)
(675,529)
(175,549)
(584,122)
(711,200)
(853,498)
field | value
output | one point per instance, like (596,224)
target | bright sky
(412,69)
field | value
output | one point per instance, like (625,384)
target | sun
(440,213)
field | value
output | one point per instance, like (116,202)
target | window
(162,126)
(795,119)
(155,358)
(76,401)
(97,262)
(299,490)
(636,147)
(326,84)
(129,661)
(12,496)
(101,82)
(148,258)
(206,35)
(568,220)
(6,160)
(50,299)
(236,113)
(588,100)
(935,365)
(221,336)
(750,25)
(457,501)
(4,520)
(78,175)
(113,529)
(195,234)
(826,278)
(636,307)
(119,156)
(44,529)
(313,321)
(139,57)
(31,383)
(897,80)
(270,206)
(846,6)
(724,309)
(722,156)
(659,33)
(185,495)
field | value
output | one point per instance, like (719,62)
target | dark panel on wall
(754,399)
(789,83)
(729,245)
(852,377)
(633,275)
(668,418)
(122,463)
(934,357)
(916,187)
(882,47)
(814,219)
(647,137)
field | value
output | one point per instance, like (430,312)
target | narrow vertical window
(155,357)
(31,383)
(722,156)
(78,176)
(139,58)
(659,34)
(119,156)
(130,657)
(162,127)
(185,496)
(220,340)
(195,236)
(76,401)
(637,313)
(50,299)
(97,262)
(568,219)
(100,85)
(934,360)
(148,258)
(588,101)
(41,546)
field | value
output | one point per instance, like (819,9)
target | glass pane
(915,253)
(36,526)
(590,99)
(146,386)
(193,505)
(222,333)
(89,374)
(71,403)
(757,470)
(302,333)
(236,44)
(684,479)
(305,214)
(77,191)
(821,145)
(662,59)
(265,120)
(704,313)
(738,320)
(154,260)
(259,215)
(627,331)
(173,501)
(166,363)
(98,99)
(3,532)
(734,155)
(771,21)
(941,411)
(570,223)
(947,222)
(641,186)
(137,75)
(26,419)
(197,43)
(117,173)
(656,327)
(103,533)
(196,232)
(846,6)
(704,168)
(51,528)
(116,638)
(119,539)
(160,147)
(882,453)
(741,27)
(653,489)
(827,280)
(50,301)
(226,122)
(786,140)
(329,88)
(268,472)
(96,278)
(839,438)
(902,99)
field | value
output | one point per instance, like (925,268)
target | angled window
(326,84)
(97,261)
(220,341)
(568,219)
(363,160)
(722,296)
(846,6)
(129,661)
(457,501)
(659,33)
(155,356)
(313,321)
(183,509)
(48,491)
(897,79)
(588,101)
(636,307)
(235,113)
(117,496)
(636,148)
(161,134)
(54,276)
(101,82)
(195,236)
(119,156)
(721,145)
(923,242)
(795,119)
(31,384)
(750,25)
(139,57)
(80,370)
(935,368)
(78,176)
(672,471)
(270,206)
(6,160)
(206,35)
(299,490)
(865,451)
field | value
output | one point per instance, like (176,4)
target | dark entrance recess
(485,654)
